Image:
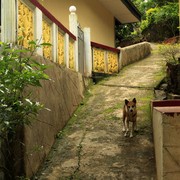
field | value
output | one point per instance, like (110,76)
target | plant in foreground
(170,52)
(18,70)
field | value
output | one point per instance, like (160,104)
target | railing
(49,30)
(34,22)
(105,59)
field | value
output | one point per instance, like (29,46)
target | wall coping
(168,110)
(97,45)
(168,107)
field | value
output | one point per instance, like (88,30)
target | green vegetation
(18,71)
(160,21)
(170,52)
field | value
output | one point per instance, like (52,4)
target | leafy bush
(160,21)
(170,52)
(18,70)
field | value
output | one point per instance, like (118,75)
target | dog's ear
(134,100)
(126,101)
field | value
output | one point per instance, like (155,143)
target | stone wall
(61,95)
(133,53)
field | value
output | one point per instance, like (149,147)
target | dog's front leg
(132,129)
(127,128)
(124,123)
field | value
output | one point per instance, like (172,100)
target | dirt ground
(92,145)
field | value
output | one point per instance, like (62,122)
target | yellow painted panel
(61,48)
(112,58)
(98,60)
(25,24)
(47,33)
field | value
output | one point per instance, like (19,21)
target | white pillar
(106,61)
(73,27)
(8,21)
(54,41)
(88,52)
(38,29)
(66,50)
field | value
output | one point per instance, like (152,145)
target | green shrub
(18,70)
(170,52)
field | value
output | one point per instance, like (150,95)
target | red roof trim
(97,45)
(52,18)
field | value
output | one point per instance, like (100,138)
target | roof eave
(132,9)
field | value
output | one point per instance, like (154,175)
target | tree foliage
(159,21)
(144,5)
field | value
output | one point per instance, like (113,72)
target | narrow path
(92,146)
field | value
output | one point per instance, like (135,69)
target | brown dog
(129,115)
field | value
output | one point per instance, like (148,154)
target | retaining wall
(61,95)
(133,53)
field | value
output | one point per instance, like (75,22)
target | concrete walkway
(92,146)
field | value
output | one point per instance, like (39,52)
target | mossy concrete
(92,145)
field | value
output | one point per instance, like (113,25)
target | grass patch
(160,75)
(114,108)
(109,112)
(144,110)
(111,117)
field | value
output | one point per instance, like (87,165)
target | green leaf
(46,44)
(32,42)
(21,50)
